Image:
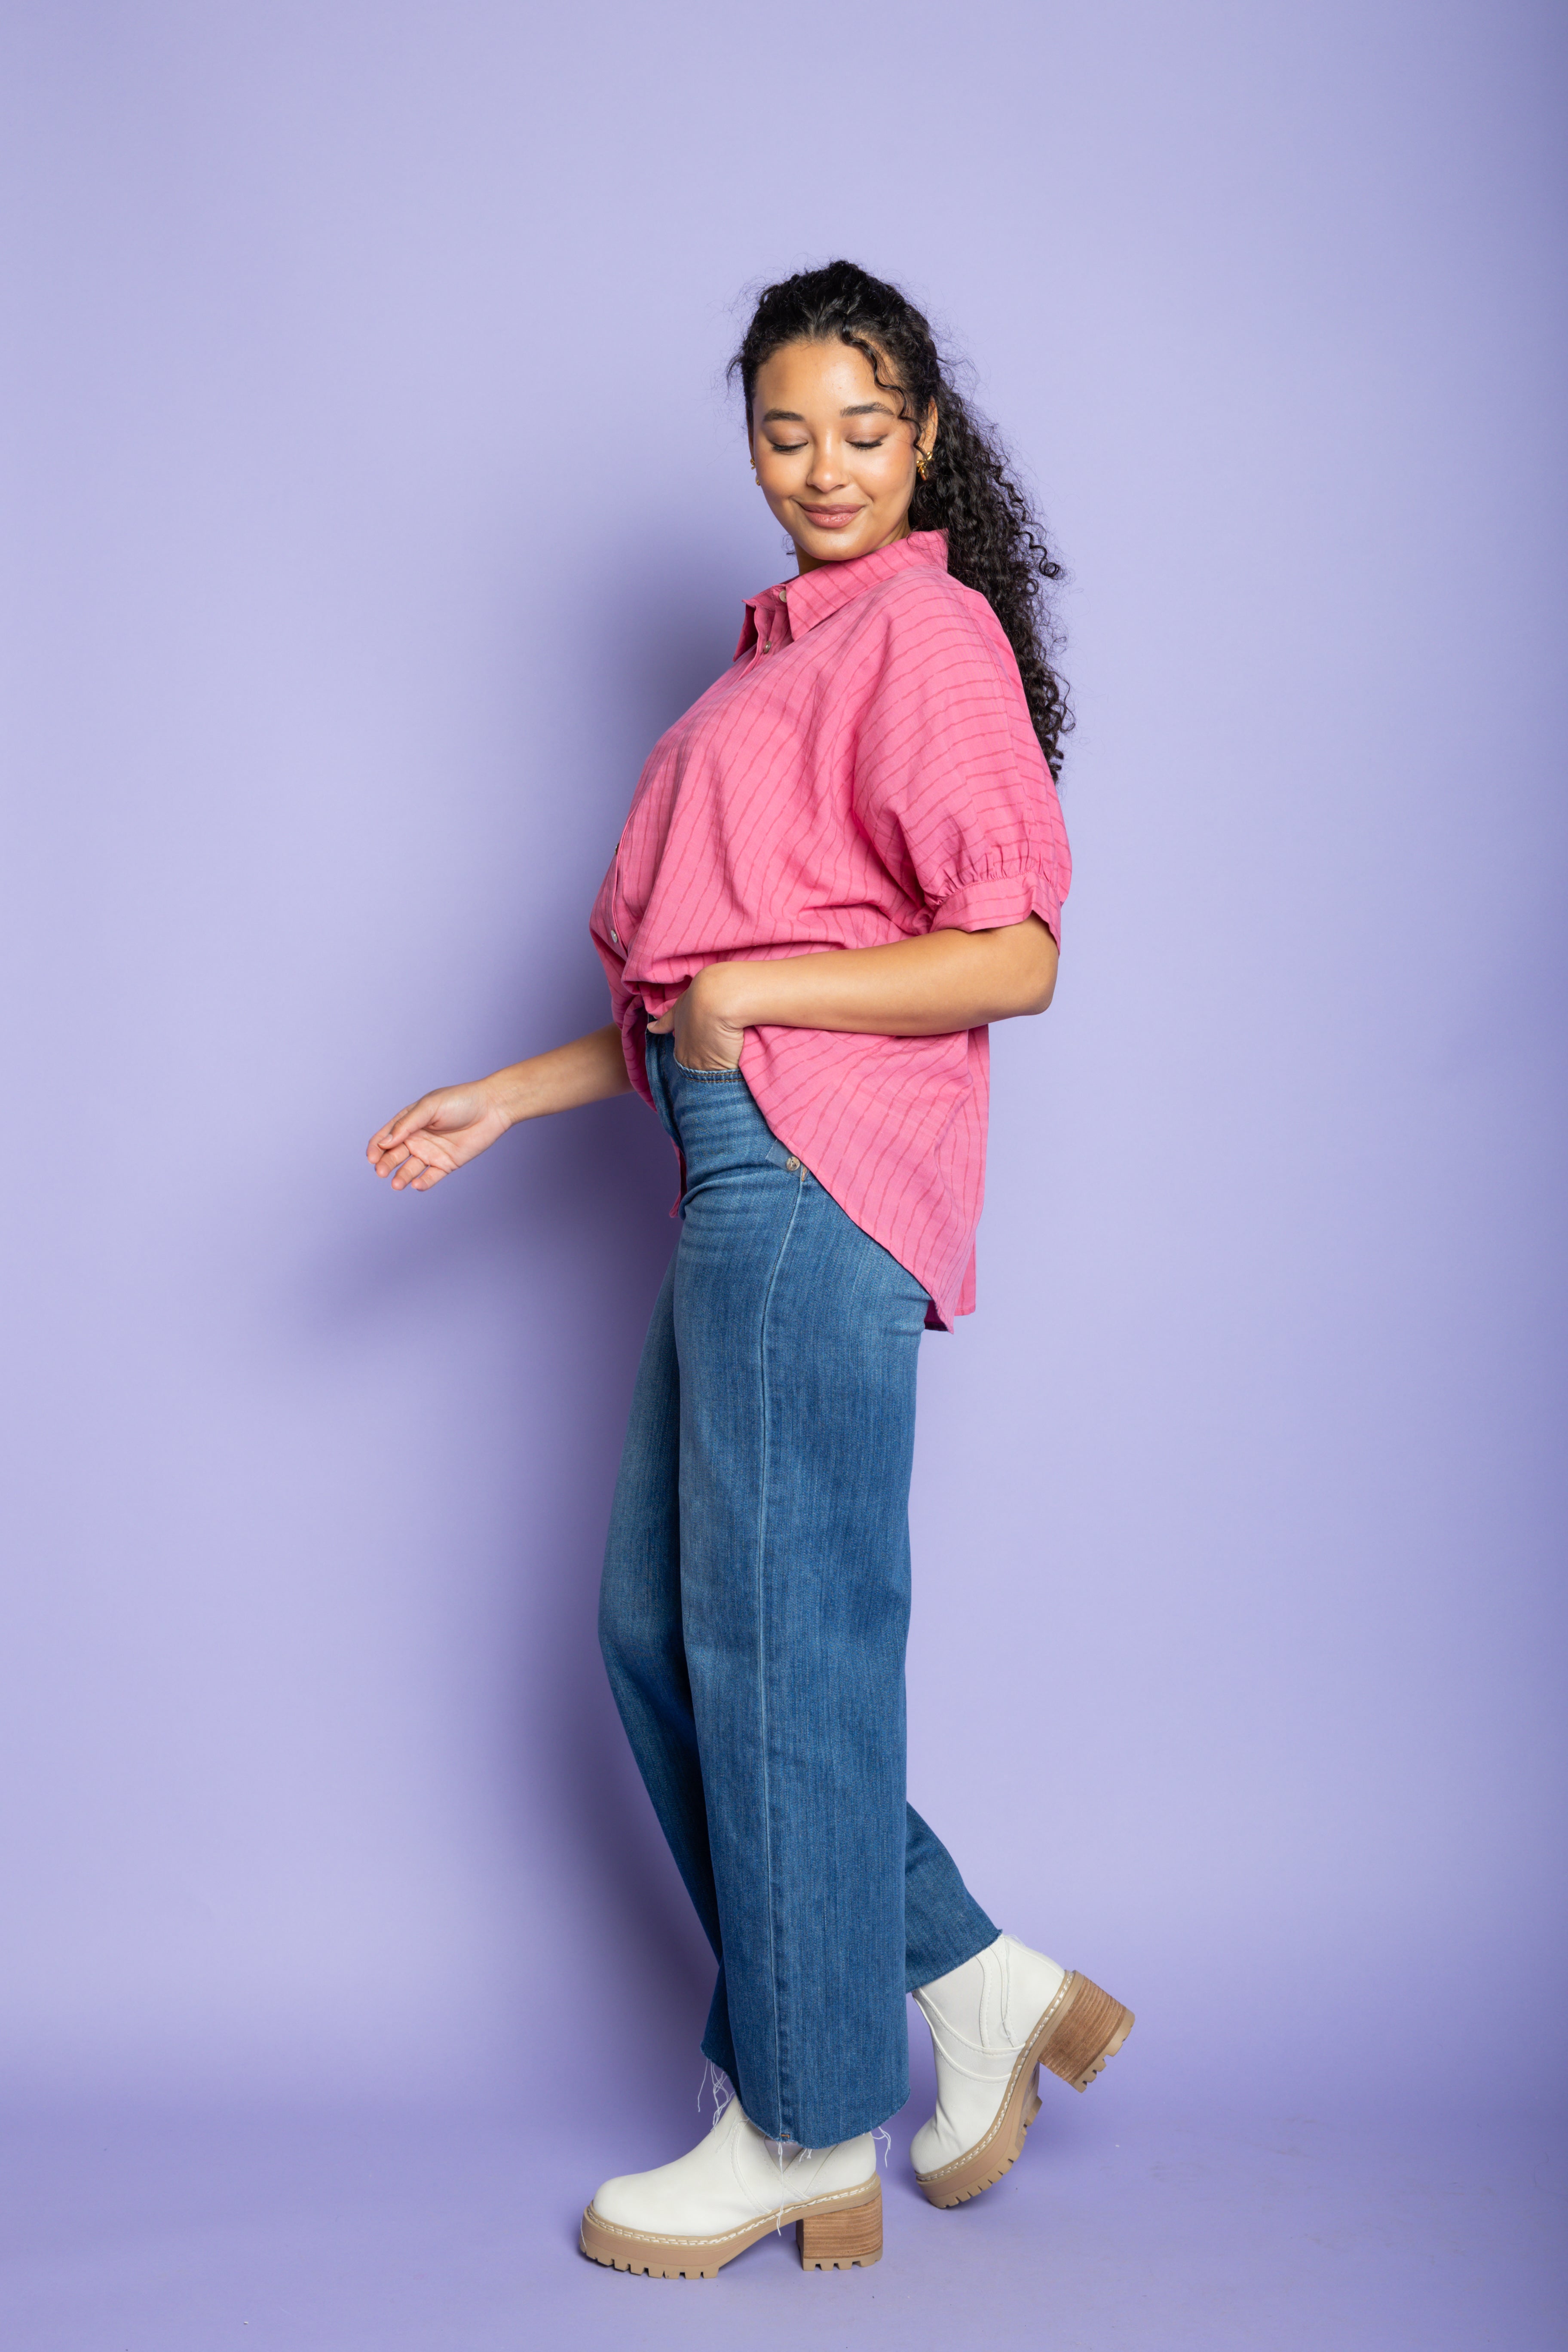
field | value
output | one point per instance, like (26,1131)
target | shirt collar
(795,605)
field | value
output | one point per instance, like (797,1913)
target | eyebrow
(793,416)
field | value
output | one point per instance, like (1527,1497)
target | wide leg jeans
(754,1614)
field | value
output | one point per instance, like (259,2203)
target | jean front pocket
(687,1071)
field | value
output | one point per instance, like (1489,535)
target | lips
(831,517)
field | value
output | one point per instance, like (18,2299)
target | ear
(925,439)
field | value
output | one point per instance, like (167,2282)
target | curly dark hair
(994,544)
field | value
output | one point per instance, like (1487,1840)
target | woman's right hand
(437,1134)
(444,1131)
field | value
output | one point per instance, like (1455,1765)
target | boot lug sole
(840,2233)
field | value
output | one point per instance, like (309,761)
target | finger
(428,1163)
(388,1134)
(420,1173)
(407,1121)
(663,1025)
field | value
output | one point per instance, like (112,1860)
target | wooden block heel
(1089,2027)
(842,2239)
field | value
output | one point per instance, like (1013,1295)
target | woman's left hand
(707,1036)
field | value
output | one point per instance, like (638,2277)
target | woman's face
(834,458)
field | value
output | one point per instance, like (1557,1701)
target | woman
(842,864)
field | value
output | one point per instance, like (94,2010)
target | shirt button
(615,936)
(793,1167)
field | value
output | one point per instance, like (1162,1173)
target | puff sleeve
(950,782)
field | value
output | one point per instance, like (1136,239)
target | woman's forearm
(586,1071)
(446,1128)
(916,988)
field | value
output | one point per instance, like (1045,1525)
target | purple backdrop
(376,499)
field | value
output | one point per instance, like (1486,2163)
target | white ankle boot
(685,2220)
(993,2022)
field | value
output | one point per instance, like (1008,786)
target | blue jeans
(754,1618)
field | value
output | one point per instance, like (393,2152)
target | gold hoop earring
(922,464)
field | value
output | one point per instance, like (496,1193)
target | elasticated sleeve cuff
(1003,898)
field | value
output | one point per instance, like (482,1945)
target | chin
(838,546)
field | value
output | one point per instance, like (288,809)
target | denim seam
(762,1656)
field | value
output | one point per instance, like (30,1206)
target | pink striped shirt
(865,771)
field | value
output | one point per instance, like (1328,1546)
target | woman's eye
(793,449)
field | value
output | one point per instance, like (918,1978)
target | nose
(827,472)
